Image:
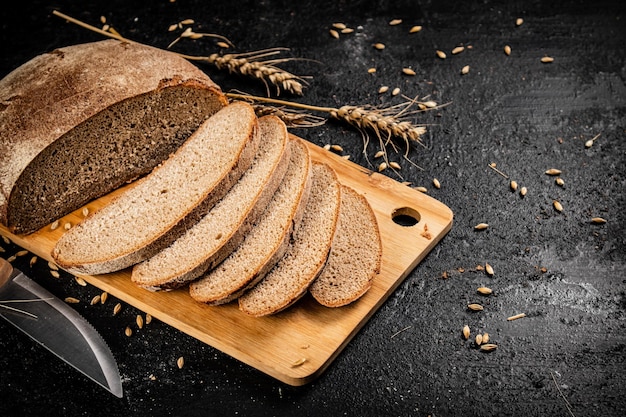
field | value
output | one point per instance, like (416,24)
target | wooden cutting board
(277,345)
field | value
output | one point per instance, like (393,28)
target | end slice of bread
(355,256)
(169,200)
(306,255)
(224,227)
(266,242)
(83,120)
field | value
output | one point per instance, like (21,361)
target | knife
(57,327)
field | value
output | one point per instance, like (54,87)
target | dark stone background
(568,357)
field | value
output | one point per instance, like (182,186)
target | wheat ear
(386,123)
(247,64)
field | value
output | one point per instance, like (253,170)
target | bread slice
(355,256)
(171,199)
(80,121)
(218,233)
(266,242)
(291,276)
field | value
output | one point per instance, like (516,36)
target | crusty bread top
(191,254)
(50,94)
(266,243)
(105,240)
(355,256)
(306,256)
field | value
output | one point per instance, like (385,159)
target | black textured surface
(568,357)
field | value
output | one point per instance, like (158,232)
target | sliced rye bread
(355,256)
(290,278)
(171,199)
(83,120)
(224,227)
(266,242)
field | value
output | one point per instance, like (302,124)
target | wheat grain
(379,46)
(415,29)
(553,171)
(519,21)
(72,300)
(557,206)
(507,50)
(465,70)
(395,22)
(458,50)
(441,54)
(589,143)
(475,307)
(488,269)
(180,362)
(408,71)
(598,220)
(515,317)
(466,332)
(488,347)
(547,59)
(484,290)
(481,226)
(334,33)
(298,362)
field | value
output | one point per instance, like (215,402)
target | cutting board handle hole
(406,216)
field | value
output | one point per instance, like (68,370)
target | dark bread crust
(134,94)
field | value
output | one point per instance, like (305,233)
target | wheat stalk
(386,123)
(247,64)
(250,64)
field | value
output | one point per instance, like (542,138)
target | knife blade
(57,327)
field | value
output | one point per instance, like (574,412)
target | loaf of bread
(355,256)
(83,120)
(171,199)
(224,227)
(266,242)
(291,277)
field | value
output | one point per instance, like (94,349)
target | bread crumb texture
(355,256)
(305,257)
(267,240)
(191,254)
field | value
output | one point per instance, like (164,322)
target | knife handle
(5,272)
